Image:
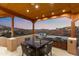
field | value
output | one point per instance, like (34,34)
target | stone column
(72,41)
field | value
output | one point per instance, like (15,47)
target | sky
(48,24)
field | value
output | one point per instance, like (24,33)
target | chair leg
(51,53)
(47,55)
(22,54)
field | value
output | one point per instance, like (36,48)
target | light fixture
(52,13)
(27,11)
(36,6)
(36,17)
(43,15)
(63,10)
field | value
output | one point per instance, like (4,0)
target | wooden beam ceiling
(46,9)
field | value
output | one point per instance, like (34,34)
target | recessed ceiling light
(52,13)
(27,10)
(36,6)
(36,17)
(63,10)
(43,15)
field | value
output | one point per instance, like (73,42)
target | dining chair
(26,50)
(37,37)
(47,49)
(26,39)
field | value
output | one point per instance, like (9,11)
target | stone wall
(12,43)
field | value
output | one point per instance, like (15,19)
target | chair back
(26,39)
(49,46)
(26,50)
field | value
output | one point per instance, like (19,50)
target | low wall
(12,43)
(3,41)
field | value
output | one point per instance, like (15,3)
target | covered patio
(39,12)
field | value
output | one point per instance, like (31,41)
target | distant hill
(7,27)
(57,31)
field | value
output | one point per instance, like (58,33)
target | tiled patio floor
(18,52)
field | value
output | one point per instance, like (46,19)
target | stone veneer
(12,43)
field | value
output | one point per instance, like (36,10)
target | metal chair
(26,39)
(26,50)
(47,49)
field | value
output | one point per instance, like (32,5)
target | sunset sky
(48,24)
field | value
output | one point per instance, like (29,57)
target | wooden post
(73,28)
(33,29)
(12,26)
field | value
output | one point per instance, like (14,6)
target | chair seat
(26,50)
(47,49)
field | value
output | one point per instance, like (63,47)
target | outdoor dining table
(36,44)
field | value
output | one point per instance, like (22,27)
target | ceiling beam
(11,12)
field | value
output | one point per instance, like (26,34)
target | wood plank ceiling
(34,11)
